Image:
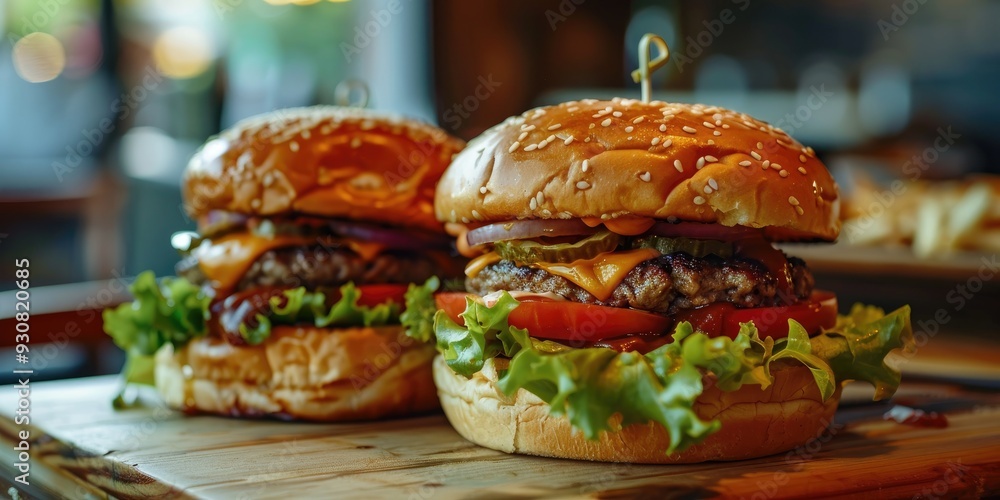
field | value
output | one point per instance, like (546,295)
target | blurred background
(103,101)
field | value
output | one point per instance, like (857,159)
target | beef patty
(321,266)
(665,284)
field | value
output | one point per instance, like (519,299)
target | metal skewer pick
(344,90)
(646,67)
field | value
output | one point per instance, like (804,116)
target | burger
(625,301)
(315,229)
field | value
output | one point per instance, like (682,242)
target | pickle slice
(693,247)
(529,252)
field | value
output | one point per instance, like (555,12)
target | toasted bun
(322,160)
(661,160)
(302,373)
(755,422)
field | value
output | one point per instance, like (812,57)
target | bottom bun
(302,373)
(755,422)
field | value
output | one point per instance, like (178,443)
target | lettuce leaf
(589,386)
(174,311)
(418,317)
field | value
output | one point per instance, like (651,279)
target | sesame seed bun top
(324,160)
(627,158)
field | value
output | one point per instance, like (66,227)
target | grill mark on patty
(665,284)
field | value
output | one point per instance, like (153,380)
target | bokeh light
(39,57)
(183,52)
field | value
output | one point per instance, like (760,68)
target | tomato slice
(572,321)
(819,311)
(564,320)
(373,295)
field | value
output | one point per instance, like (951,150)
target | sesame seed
(776,166)
(746,163)
(606,122)
(698,200)
(700,163)
(645,176)
(573,109)
(513,147)
(483,190)
(793,201)
(783,173)
(688,129)
(555,127)
(522,136)
(711,182)
(585,166)
(550,138)
(678,166)
(597,115)
(638,120)
(767,163)
(716,133)
(711,158)
(799,210)
(268,179)
(810,151)
(617,114)
(708,190)
(802,158)
(542,144)
(539,197)
(802,171)
(667,143)
(294,146)
(591,125)
(476,215)
(760,145)
(306,134)
(527,128)
(655,141)
(568,141)
(587,139)
(465,220)
(607,109)
(755,155)
(629,137)
(532,204)
(531,147)
(629,129)
(708,124)
(582,185)
(725,125)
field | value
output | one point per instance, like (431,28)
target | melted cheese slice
(602,274)
(226,259)
(477,264)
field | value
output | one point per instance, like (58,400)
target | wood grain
(153,452)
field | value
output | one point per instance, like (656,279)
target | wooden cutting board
(80,446)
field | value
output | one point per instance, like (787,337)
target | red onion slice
(524,229)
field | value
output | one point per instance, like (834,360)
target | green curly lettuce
(418,317)
(590,385)
(174,311)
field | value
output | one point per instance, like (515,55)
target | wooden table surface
(81,447)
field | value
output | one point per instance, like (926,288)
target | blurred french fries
(935,218)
